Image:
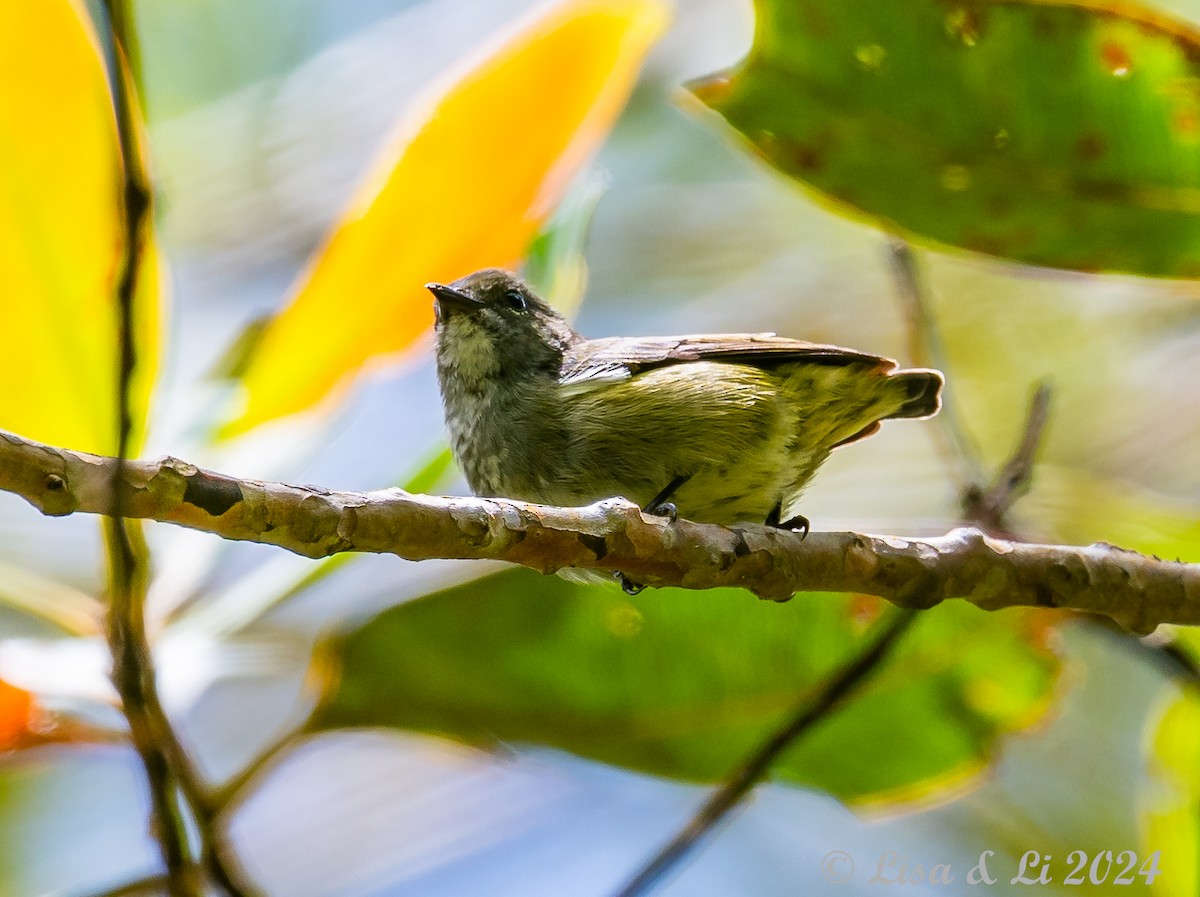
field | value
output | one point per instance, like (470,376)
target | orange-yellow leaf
(472,174)
(16,715)
(61,234)
(24,723)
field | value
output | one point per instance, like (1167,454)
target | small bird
(722,428)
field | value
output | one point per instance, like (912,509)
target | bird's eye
(515,299)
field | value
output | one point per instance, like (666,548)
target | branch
(925,349)
(1137,591)
(168,769)
(132,668)
(988,507)
(151,886)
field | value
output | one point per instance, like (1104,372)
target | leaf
(1050,133)
(684,684)
(1169,814)
(25,723)
(68,609)
(61,235)
(472,174)
(16,715)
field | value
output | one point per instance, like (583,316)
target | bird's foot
(797,524)
(659,507)
(665,509)
(628,586)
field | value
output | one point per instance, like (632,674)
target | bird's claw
(628,586)
(665,509)
(797,524)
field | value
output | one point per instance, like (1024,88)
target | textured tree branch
(1137,591)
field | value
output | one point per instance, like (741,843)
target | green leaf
(1058,134)
(683,684)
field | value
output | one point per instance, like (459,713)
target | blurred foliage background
(518,735)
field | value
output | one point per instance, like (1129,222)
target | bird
(715,428)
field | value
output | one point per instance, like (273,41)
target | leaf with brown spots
(1056,134)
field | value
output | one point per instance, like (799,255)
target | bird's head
(491,325)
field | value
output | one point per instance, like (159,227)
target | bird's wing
(593,362)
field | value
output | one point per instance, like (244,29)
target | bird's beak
(451,301)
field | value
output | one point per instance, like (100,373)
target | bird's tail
(919,390)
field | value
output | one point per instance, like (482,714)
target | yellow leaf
(1169,811)
(472,174)
(61,237)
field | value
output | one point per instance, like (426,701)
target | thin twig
(142,887)
(988,507)
(168,768)
(834,691)
(983,506)
(132,670)
(1176,660)
(233,790)
(925,348)
(133,679)
(220,868)
(1168,656)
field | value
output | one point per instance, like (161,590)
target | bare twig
(142,887)
(925,348)
(988,507)
(132,676)
(724,799)
(233,790)
(168,769)
(1136,590)
(1168,656)
(132,670)
(983,506)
